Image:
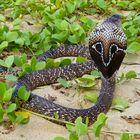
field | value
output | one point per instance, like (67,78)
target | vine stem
(129,63)
(120,132)
(89,128)
(30,50)
(49,118)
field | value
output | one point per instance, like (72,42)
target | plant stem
(120,132)
(50,118)
(89,128)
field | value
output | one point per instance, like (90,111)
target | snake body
(48,108)
(66,50)
(106,50)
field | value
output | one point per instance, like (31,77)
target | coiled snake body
(106,51)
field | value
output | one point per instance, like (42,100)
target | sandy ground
(39,128)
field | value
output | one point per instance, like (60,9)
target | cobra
(107,45)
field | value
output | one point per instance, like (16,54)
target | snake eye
(98,47)
(113,48)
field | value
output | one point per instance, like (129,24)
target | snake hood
(107,45)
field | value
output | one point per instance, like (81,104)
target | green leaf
(23,93)
(132,30)
(78,120)
(73,136)
(2,90)
(64,83)
(62,36)
(19,41)
(2,63)
(131,74)
(26,37)
(7,95)
(1,115)
(70,7)
(16,22)
(9,61)
(96,73)
(11,116)
(70,127)
(101,4)
(22,117)
(40,65)
(62,25)
(56,64)
(73,39)
(121,78)
(24,114)
(120,104)
(12,107)
(19,119)
(88,23)
(102,117)
(3,45)
(134,47)
(2,111)
(49,63)
(126,136)
(33,63)
(59,14)
(92,97)
(87,121)
(24,58)
(65,61)
(2,18)
(81,128)
(36,38)
(81,59)
(59,138)
(86,81)
(75,27)
(19,61)
(11,77)
(56,115)
(97,126)
(26,68)
(78,3)
(123,3)
(11,36)
(91,77)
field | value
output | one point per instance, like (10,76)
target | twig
(88,136)
(120,132)
(129,63)
(90,129)
(50,118)
(30,50)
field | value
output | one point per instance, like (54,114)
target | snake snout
(115,18)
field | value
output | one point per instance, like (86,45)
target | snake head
(107,45)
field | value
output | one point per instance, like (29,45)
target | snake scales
(107,44)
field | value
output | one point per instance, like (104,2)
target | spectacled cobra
(107,45)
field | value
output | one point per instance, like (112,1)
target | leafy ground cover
(35,26)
